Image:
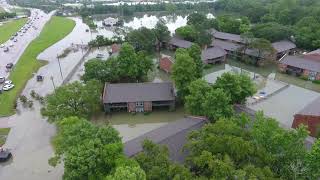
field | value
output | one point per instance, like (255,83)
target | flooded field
(133,125)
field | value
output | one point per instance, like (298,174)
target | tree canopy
(75,99)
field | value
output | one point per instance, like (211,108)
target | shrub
(23,99)
(33,94)
(316,81)
(30,103)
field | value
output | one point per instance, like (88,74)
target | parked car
(6,49)
(7,87)
(11,45)
(9,65)
(15,40)
(2,46)
(7,82)
(2,80)
(5,154)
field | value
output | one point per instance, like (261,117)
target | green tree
(195,53)
(87,151)
(313,159)
(238,87)
(104,71)
(183,72)
(264,48)
(128,173)
(162,33)
(75,99)
(195,19)
(194,102)
(187,32)
(272,31)
(142,39)
(217,104)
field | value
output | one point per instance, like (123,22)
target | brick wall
(312,122)
(282,67)
(306,73)
(131,107)
(318,76)
(147,105)
(165,64)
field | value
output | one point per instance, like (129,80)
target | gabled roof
(312,109)
(135,92)
(212,53)
(229,46)
(314,55)
(227,36)
(181,43)
(283,45)
(173,135)
(301,62)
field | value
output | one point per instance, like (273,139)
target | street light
(60,67)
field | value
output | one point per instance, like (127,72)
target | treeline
(273,20)
(128,10)
(5,15)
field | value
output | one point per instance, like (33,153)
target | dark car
(9,65)
(5,155)
(2,79)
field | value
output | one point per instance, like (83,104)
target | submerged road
(30,135)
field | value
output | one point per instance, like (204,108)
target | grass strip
(55,29)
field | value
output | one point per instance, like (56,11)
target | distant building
(166,63)
(309,116)
(284,47)
(301,66)
(176,42)
(173,135)
(213,55)
(111,21)
(138,97)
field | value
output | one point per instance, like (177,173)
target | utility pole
(54,86)
(60,67)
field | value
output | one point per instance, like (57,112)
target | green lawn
(10,28)
(56,29)
(3,135)
(298,82)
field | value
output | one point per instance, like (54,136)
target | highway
(37,20)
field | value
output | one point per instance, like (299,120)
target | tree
(264,47)
(217,104)
(313,158)
(195,19)
(128,173)
(272,31)
(75,99)
(183,72)
(194,101)
(204,38)
(307,33)
(142,39)
(195,53)
(187,32)
(104,71)
(238,87)
(162,33)
(88,151)
(246,39)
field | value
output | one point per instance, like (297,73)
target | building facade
(138,97)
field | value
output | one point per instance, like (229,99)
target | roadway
(37,21)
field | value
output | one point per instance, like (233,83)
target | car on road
(9,65)
(2,79)
(7,87)
(6,49)
(5,154)
(11,38)
(11,45)
(15,40)
(2,46)
(7,82)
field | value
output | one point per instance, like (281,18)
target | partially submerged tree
(75,99)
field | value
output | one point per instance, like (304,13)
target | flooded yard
(131,126)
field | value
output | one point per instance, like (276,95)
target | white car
(7,82)
(7,87)
(2,46)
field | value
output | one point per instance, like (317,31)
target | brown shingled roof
(312,109)
(227,36)
(181,43)
(283,45)
(135,92)
(173,135)
(301,62)
(212,53)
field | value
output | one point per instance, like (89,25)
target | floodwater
(131,126)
